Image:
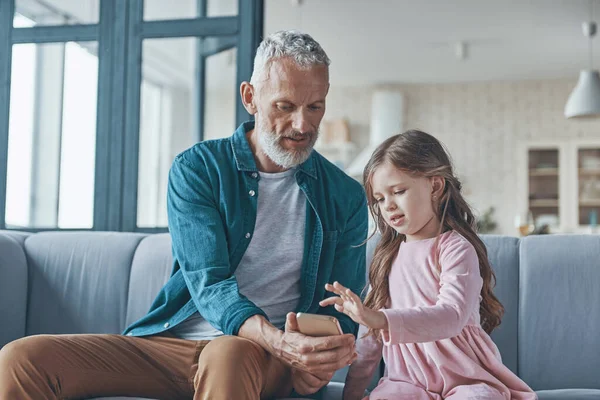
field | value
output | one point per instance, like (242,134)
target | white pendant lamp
(584,101)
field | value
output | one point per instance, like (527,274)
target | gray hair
(301,47)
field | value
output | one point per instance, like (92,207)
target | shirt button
(248,235)
(254,175)
(166,325)
(252,193)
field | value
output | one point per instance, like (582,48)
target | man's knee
(232,351)
(19,352)
(15,359)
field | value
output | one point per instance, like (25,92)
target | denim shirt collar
(244,157)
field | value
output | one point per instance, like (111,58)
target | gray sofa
(99,282)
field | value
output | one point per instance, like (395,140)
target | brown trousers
(162,367)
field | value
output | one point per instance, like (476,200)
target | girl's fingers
(331,301)
(339,308)
(339,286)
(333,289)
(353,296)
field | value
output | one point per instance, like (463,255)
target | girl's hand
(351,305)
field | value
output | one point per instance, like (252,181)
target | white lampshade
(584,101)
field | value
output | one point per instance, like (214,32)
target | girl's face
(406,201)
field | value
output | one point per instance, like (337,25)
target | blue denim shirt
(212,201)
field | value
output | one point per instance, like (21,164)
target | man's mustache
(298,135)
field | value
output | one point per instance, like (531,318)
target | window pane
(160,9)
(57,12)
(22,22)
(169,116)
(78,142)
(221,95)
(167,120)
(20,138)
(221,8)
(52,132)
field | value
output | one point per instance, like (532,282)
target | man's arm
(349,266)
(201,249)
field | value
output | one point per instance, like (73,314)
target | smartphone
(318,325)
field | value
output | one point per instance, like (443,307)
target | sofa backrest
(13,287)
(503,254)
(559,311)
(150,270)
(99,282)
(78,281)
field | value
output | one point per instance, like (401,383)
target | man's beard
(270,143)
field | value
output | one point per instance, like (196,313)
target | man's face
(290,104)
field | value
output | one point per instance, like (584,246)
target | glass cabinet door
(544,189)
(588,180)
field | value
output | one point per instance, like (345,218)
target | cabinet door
(587,158)
(544,181)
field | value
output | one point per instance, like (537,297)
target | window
(51,150)
(169,114)
(57,12)
(104,94)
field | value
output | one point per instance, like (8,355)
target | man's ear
(438,184)
(247,94)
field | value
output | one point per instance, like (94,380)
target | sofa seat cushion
(333,391)
(569,394)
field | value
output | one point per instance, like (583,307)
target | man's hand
(319,356)
(304,382)
(351,305)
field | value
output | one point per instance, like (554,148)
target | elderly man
(259,223)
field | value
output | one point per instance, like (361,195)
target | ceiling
(397,41)
(383,41)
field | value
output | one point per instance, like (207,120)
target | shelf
(543,203)
(589,172)
(589,203)
(543,172)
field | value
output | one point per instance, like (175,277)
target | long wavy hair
(421,155)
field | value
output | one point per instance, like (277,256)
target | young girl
(431,307)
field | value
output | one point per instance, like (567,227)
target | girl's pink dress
(435,347)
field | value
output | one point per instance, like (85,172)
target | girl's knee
(478,391)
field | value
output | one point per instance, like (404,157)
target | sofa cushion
(150,269)
(78,281)
(569,394)
(559,311)
(503,253)
(13,287)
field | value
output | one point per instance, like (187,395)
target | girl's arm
(458,298)
(361,371)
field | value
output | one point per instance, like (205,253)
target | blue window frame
(119,35)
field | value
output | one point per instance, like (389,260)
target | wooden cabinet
(559,185)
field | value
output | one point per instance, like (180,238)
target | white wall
(481,124)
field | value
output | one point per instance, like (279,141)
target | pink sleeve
(460,287)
